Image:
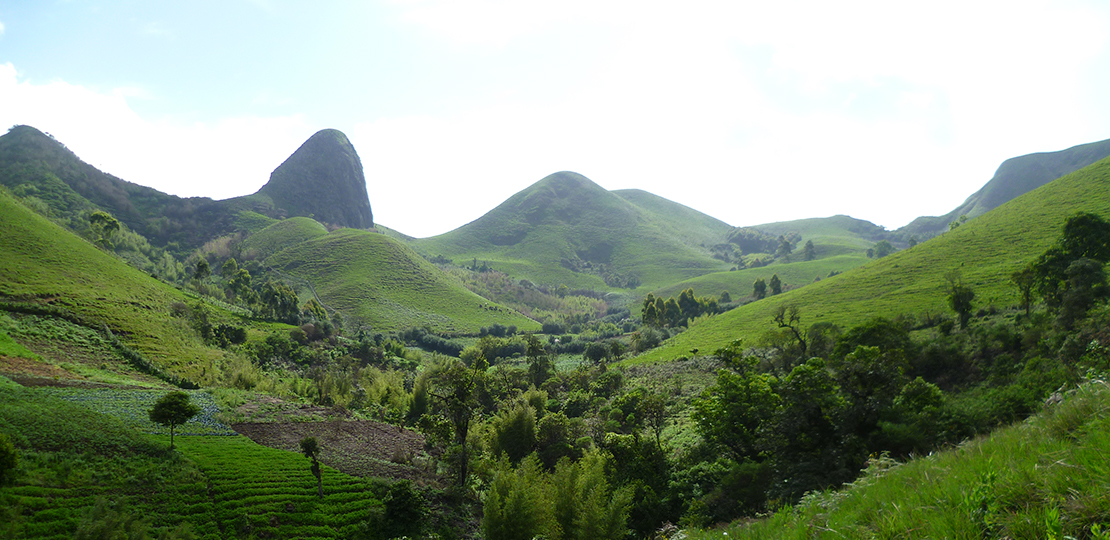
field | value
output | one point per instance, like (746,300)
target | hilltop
(1016,176)
(566,229)
(323,179)
(985,251)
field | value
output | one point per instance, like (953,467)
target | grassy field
(279,236)
(985,251)
(1046,478)
(47,268)
(382,283)
(89,451)
(548,232)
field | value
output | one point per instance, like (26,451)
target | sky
(751,112)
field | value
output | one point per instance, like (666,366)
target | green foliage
(173,410)
(517,504)
(759,289)
(9,459)
(514,433)
(102,226)
(912,281)
(376,281)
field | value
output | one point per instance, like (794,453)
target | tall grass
(1045,478)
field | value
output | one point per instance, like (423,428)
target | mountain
(379,282)
(985,251)
(840,243)
(1013,178)
(566,229)
(323,179)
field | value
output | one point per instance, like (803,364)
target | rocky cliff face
(323,179)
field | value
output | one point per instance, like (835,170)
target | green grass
(985,251)
(566,217)
(1046,478)
(377,281)
(281,235)
(78,446)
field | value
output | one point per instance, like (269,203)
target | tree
(776,284)
(1025,279)
(540,367)
(785,248)
(732,412)
(517,504)
(102,226)
(172,410)
(514,432)
(725,298)
(883,248)
(229,268)
(791,319)
(1086,284)
(202,269)
(454,387)
(8,460)
(809,252)
(311,449)
(959,297)
(759,289)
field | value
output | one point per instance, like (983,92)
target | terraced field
(105,466)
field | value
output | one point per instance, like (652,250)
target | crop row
(133,406)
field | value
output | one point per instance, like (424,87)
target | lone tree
(776,284)
(759,289)
(102,226)
(172,410)
(311,450)
(809,252)
(959,297)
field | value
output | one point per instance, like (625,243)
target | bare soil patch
(358,447)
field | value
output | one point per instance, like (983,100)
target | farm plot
(80,453)
(360,447)
(267,493)
(132,406)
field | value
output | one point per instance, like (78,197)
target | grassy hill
(46,268)
(279,236)
(1014,177)
(840,242)
(985,251)
(565,229)
(1045,478)
(375,280)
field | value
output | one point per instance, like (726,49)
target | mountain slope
(377,281)
(1014,177)
(567,229)
(323,179)
(985,251)
(46,266)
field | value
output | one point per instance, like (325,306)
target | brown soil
(357,447)
(12,367)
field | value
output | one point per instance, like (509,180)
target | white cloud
(222,159)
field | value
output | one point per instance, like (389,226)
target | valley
(576,363)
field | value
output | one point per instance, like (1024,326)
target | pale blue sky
(751,112)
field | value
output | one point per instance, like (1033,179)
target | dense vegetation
(577,364)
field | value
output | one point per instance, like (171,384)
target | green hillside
(47,268)
(377,281)
(279,236)
(565,229)
(1014,177)
(985,251)
(679,221)
(1045,478)
(840,244)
